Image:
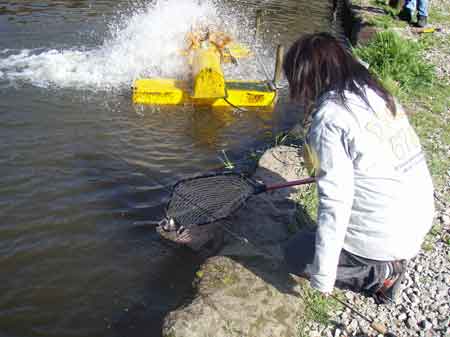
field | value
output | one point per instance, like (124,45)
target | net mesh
(206,199)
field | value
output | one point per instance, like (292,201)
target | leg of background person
(407,10)
(422,7)
(410,5)
(397,4)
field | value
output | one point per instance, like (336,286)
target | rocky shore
(425,305)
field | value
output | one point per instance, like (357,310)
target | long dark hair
(318,63)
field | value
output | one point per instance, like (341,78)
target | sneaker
(405,15)
(421,21)
(391,289)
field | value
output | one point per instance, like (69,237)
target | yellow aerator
(209,82)
(208,85)
(161,91)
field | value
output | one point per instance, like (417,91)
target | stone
(345,316)
(353,326)
(414,299)
(412,323)
(430,315)
(337,332)
(425,325)
(232,297)
(444,310)
(349,295)
(445,219)
(402,317)
(446,279)
(443,288)
(435,323)
(444,323)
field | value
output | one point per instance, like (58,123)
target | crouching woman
(375,191)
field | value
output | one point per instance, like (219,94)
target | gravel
(424,309)
(441,56)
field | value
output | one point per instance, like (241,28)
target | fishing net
(205,199)
(208,198)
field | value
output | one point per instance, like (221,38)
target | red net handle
(289,184)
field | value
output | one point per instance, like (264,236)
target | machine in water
(207,51)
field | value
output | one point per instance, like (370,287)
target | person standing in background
(410,6)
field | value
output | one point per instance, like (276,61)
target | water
(82,167)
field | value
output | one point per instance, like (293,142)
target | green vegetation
(427,245)
(306,214)
(227,163)
(446,239)
(383,21)
(400,65)
(382,4)
(387,20)
(437,17)
(436,229)
(437,233)
(317,308)
(390,20)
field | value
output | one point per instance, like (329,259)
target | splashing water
(145,43)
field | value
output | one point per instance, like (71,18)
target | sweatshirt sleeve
(334,173)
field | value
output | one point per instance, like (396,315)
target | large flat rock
(245,289)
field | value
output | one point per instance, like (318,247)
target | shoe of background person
(405,15)
(421,21)
(391,288)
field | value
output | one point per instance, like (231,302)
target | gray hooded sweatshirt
(375,190)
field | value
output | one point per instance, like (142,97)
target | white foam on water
(144,43)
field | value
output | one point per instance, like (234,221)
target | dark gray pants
(353,272)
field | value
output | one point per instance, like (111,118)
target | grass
(227,163)
(317,308)
(428,127)
(307,208)
(429,41)
(386,21)
(383,21)
(307,197)
(439,16)
(400,65)
(389,20)
(446,239)
(436,230)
